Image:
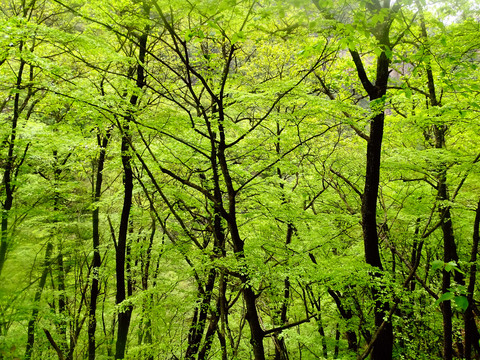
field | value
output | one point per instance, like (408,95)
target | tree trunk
(382,349)
(256,331)
(197,327)
(125,312)
(38,295)
(96,261)
(9,165)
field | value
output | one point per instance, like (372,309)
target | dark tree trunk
(96,261)
(281,351)
(256,331)
(124,315)
(449,254)
(9,166)
(213,325)
(383,346)
(38,295)
(62,300)
(62,303)
(346,315)
(197,327)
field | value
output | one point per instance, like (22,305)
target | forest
(239,179)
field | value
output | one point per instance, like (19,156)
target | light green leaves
(445,297)
(453,294)
(449,267)
(238,36)
(437,264)
(460,300)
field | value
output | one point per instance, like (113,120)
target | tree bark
(383,347)
(9,167)
(125,313)
(38,295)
(96,261)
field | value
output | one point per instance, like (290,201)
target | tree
(249,178)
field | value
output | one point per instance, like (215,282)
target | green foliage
(253,119)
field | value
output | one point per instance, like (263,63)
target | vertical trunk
(145,336)
(449,254)
(125,313)
(337,339)
(321,330)
(346,315)
(62,303)
(383,346)
(449,246)
(96,261)
(223,309)
(213,325)
(9,166)
(197,327)
(256,331)
(281,352)
(38,295)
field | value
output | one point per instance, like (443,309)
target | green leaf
(450,266)
(462,302)
(238,37)
(437,264)
(445,297)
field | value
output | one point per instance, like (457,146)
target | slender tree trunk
(9,166)
(213,324)
(124,315)
(281,352)
(346,315)
(96,261)
(62,301)
(38,295)
(449,246)
(382,349)
(384,342)
(197,327)
(449,254)
(256,331)
(145,330)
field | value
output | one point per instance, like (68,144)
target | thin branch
(352,185)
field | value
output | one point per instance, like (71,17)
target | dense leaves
(239,179)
